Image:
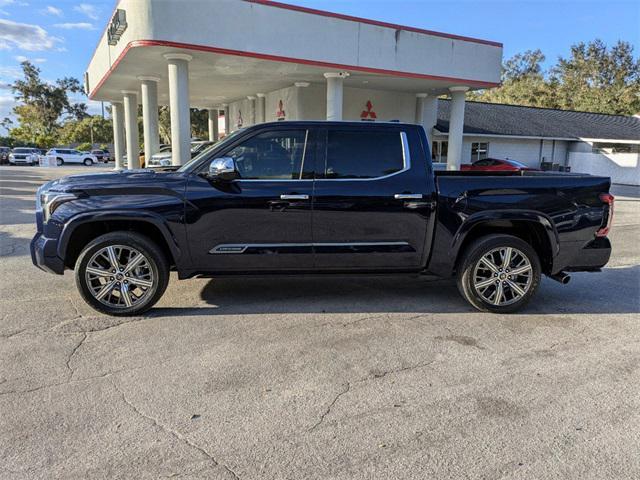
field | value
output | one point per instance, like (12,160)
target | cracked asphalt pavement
(316,378)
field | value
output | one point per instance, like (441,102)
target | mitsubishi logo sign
(280,113)
(368,114)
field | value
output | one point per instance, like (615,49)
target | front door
(372,207)
(261,221)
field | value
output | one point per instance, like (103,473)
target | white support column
(300,101)
(456,127)
(227,120)
(149,86)
(251,117)
(131,128)
(261,110)
(117,117)
(214,135)
(335,81)
(179,107)
(427,113)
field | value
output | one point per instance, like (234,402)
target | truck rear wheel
(121,273)
(499,273)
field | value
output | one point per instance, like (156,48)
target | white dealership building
(259,60)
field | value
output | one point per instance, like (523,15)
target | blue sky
(60,35)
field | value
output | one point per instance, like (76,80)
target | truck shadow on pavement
(615,290)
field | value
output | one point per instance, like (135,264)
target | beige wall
(309,103)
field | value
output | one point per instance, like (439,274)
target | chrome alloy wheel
(119,276)
(502,276)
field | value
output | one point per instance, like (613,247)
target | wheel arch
(83,229)
(534,228)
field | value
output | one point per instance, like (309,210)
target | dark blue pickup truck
(320,198)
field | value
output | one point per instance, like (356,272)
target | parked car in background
(163,157)
(24,156)
(66,155)
(497,165)
(320,197)
(101,155)
(4,155)
(141,158)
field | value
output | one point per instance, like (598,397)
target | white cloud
(4,3)
(87,9)
(24,36)
(51,11)
(75,26)
(10,72)
(22,58)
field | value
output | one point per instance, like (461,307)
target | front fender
(113,215)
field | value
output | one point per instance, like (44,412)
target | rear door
(373,199)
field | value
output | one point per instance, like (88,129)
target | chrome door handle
(294,197)
(408,196)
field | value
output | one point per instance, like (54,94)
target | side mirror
(223,168)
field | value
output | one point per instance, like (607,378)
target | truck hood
(120,180)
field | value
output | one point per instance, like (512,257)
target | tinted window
(271,155)
(22,150)
(361,154)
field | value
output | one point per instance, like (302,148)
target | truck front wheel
(499,273)
(121,273)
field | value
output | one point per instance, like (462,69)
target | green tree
(593,78)
(199,124)
(599,79)
(79,131)
(523,83)
(41,104)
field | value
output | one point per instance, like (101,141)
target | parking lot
(316,378)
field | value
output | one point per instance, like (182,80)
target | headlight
(51,200)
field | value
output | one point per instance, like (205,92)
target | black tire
(473,255)
(144,245)
(88,162)
(59,162)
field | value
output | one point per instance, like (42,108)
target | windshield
(198,147)
(22,150)
(206,151)
(516,163)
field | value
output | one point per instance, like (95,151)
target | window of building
(439,151)
(609,148)
(360,154)
(272,155)
(479,151)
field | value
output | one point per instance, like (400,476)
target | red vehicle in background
(496,165)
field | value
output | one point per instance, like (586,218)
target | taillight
(609,200)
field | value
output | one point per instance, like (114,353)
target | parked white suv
(65,155)
(24,156)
